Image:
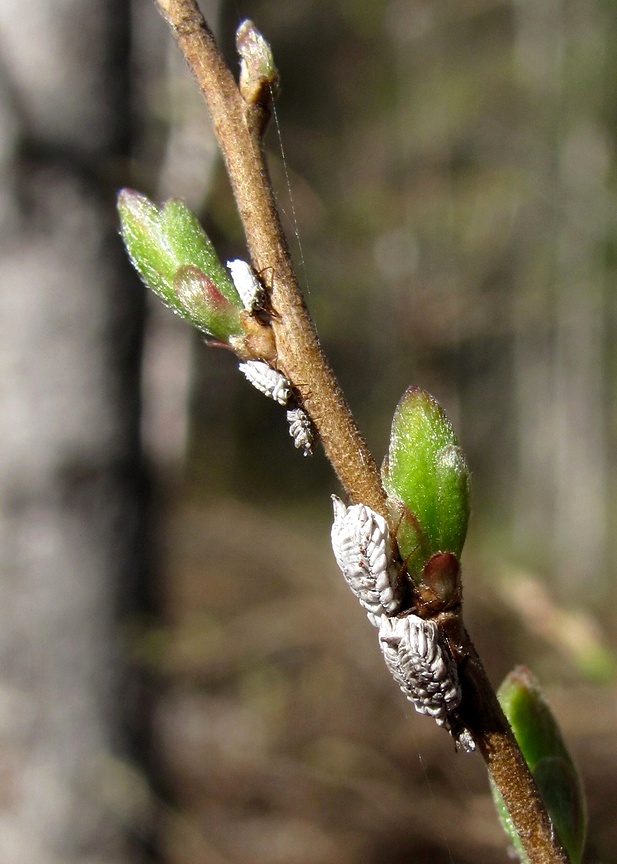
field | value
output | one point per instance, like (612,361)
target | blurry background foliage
(452,166)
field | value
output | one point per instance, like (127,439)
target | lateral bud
(259,78)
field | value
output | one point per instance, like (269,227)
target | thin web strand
(294,218)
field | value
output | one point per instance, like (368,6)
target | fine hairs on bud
(267,380)
(361,546)
(301,430)
(247,285)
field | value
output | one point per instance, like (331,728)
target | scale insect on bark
(301,430)
(420,663)
(362,548)
(247,285)
(267,380)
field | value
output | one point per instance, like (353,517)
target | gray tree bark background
(71,475)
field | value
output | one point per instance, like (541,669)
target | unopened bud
(426,478)
(174,257)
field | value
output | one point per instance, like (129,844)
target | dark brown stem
(300,357)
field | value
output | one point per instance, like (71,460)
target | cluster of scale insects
(414,652)
(260,374)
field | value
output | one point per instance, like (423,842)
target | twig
(300,357)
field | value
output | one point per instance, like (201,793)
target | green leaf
(545,752)
(426,479)
(174,257)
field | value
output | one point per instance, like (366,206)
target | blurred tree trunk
(71,482)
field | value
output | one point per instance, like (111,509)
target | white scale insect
(417,661)
(361,545)
(424,670)
(301,430)
(247,285)
(267,380)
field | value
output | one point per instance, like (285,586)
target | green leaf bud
(174,257)
(426,478)
(545,752)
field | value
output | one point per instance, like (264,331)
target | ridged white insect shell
(420,665)
(301,430)
(268,381)
(247,284)
(362,548)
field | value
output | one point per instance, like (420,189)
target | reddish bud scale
(203,303)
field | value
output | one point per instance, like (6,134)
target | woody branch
(239,125)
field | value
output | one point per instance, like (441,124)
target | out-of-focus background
(184,676)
